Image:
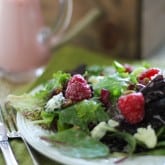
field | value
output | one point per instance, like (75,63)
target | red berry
(146,75)
(131,107)
(105,97)
(78,89)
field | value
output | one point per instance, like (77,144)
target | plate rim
(24,125)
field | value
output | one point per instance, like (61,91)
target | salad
(104,111)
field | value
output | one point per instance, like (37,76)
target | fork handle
(7,153)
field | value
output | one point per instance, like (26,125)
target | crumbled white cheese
(113,123)
(55,102)
(99,130)
(146,136)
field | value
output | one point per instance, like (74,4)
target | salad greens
(89,128)
(82,114)
(83,145)
(117,87)
(58,80)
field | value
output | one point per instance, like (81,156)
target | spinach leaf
(76,143)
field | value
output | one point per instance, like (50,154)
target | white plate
(32,134)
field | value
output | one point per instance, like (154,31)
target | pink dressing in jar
(20,23)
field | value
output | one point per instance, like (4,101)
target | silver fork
(5,147)
(9,117)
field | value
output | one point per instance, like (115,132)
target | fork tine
(2,117)
(5,146)
(12,114)
(8,118)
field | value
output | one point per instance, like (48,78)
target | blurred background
(124,28)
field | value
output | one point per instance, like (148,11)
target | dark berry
(105,97)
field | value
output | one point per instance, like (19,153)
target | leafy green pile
(89,128)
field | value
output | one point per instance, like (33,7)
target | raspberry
(145,76)
(78,89)
(131,107)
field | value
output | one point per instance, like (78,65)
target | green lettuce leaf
(24,103)
(119,67)
(57,82)
(46,119)
(29,105)
(113,83)
(76,143)
(94,70)
(82,114)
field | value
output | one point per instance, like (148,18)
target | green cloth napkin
(66,58)
(70,57)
